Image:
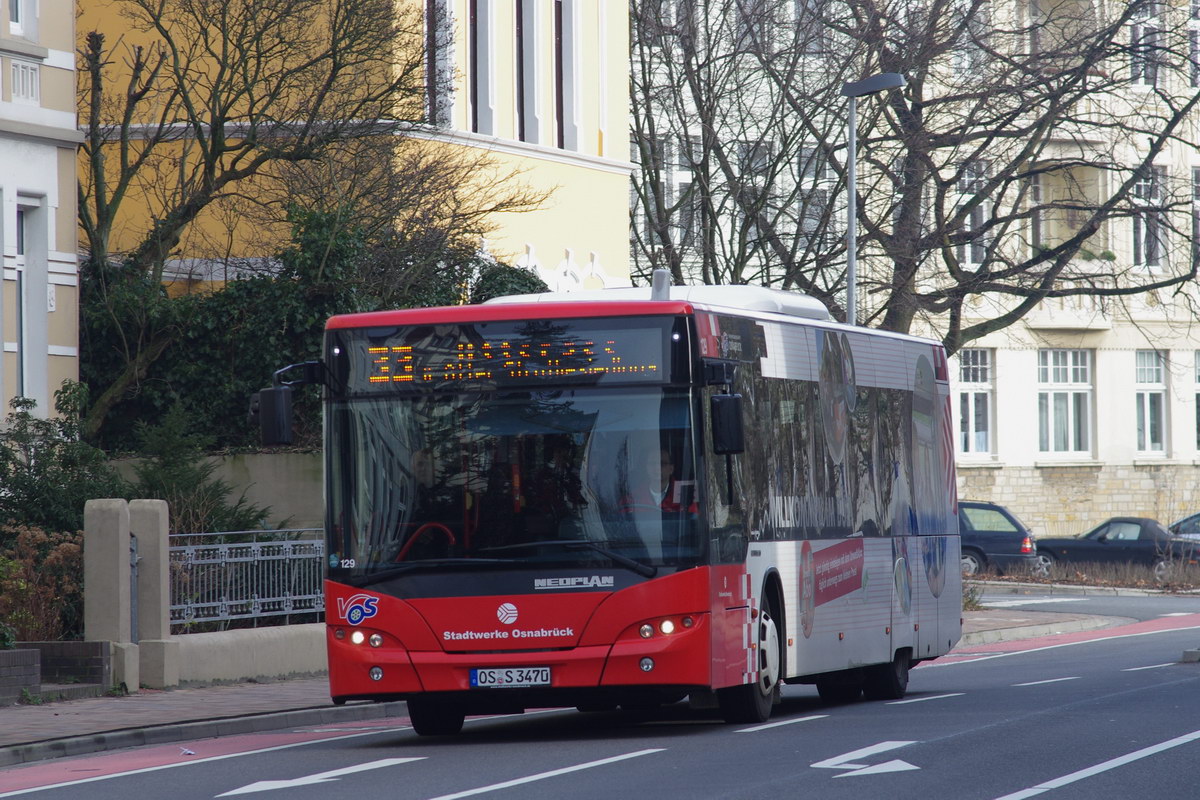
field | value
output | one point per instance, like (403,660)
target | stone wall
(1068,499)
(74,662)
(18,673)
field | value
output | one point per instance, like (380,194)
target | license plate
(509,677)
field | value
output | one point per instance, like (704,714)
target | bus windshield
(562,478)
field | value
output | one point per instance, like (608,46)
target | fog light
(646,664)
(667,627)
(376,640)
(358,637)
(688,622)
(338,633)
(646,631)
(376,673)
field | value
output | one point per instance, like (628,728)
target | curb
(1005,587)
(13,755)
(1089,623)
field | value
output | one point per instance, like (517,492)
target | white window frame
(976,402)
(1065,391)
(25,82)
(1150,377)
(1146,32)
(16,17)
(973,252)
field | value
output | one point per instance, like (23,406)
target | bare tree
(205,120)
(1031,155)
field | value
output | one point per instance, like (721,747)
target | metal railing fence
(245,575)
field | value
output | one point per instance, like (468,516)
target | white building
(38,143)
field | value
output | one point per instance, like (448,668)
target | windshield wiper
(631,564)
(432,563)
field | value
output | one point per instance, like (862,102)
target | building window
(16,18)
(690,215)
(1149,225)
(1037,228)
(21,309)
(812,28)
(25,80)
(1064,401)
(973,250)
(1195,215)
(974,20)
(752,25)
(1145,43)
(1196,375)
(1150,377)
(814,196)
(975,376)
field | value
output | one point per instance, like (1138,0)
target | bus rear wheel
(431,717)
(887,681)
(752,702)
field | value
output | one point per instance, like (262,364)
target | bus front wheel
(752,702)
(430,717)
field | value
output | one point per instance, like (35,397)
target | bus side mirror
(728,434)
(273,409)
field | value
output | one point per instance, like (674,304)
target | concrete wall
(289,483)
(279,652)
(154,657)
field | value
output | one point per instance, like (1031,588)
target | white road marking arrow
(320,777)
(845,761)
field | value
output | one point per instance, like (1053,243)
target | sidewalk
(74,727)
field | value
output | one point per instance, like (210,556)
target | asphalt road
(1104,714)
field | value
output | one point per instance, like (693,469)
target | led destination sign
(501,353)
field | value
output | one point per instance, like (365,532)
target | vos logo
(357,608)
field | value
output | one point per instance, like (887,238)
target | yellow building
(38,140)
(540,86)
(543,85)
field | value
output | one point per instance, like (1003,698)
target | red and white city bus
(606,500)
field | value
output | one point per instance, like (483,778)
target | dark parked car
(1188,527)
(993,537)
(1127,540)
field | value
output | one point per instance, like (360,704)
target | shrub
(46,472)
(41,584)
(8,637)
(176,470)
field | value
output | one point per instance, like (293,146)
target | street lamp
(855,90)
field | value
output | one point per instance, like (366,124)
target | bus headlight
(646,631)
(376,640)
(358,637)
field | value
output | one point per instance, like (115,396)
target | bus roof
(734,298)
(621,302)
(489,312)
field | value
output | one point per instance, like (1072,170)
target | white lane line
(1177,614)
(1152,666)
(541,776)
(1104,766)
(192,761)
(1033,601)
(975,658)
(923,699)
(320,777)
(1051,680)
(781,722)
